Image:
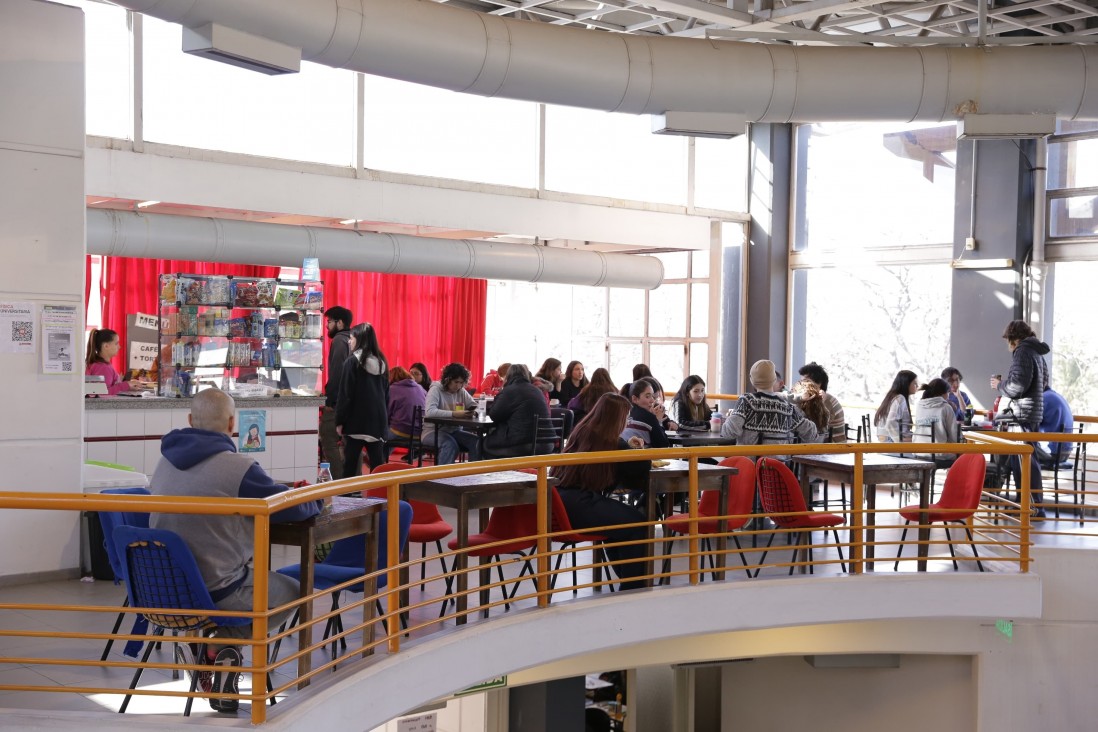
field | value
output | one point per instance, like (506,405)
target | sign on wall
(142,336)
(251,426)
(59,339)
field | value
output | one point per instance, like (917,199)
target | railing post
(857,513)
(543,539)
(392,555)
(260,567)
(692,498)
(1024,499)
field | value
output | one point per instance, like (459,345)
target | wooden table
(876,468)
(480,426)
(687,438)
(348,517)
(466,494)
(673,479)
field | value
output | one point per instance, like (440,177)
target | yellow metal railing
(1010,537)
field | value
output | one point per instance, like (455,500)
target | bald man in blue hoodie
(202,460)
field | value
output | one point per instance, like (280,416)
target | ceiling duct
(159,236)
(454,48)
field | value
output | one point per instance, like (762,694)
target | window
(860,186)
(426,131)
(614,155)
(196,102)
(1074,349)
(720,179)
(109,95)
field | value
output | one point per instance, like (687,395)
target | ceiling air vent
(230,46)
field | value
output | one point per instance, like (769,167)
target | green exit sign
(1006,627)
(495,683)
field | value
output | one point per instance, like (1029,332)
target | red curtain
(434,320)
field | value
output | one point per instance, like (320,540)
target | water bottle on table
(324,475)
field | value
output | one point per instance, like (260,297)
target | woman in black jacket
(514,413)
(583,488)
(1025,383)
(362,407)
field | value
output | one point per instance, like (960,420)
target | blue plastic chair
(110,520)
(160,572)
(345,562)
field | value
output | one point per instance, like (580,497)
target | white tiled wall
(287,457)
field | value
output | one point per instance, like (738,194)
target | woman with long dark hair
(688,407)
(643,422)
(573,382)
(583,488)
(362,407)
(893,417)
(548,379)
(585,401)
(103,345)
(934,419)
(421,375)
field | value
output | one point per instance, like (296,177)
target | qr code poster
(17,330)
(59,339)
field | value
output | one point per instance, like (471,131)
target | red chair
(741,499)
(517,526)
(427,526)
(780,493)
(964,485)
(561,522)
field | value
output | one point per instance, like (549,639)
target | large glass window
(720,173)
(107,48)
(1074,348)
(615,155)
(426,131)
(847,310)
(200,103)
(874,185)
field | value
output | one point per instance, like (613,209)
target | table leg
(870,527)
(924,525)
(461,562)
(305,611)
(650,501)
(722,527)
(485,572)
(370,590)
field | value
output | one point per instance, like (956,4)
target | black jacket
(514,412)
(362,407)
(1027,380)
(338,352)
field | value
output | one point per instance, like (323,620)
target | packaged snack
(265,293)
(167,288)
(238,327)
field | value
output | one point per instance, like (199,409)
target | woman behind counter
(103,345)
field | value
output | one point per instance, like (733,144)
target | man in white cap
(766,418)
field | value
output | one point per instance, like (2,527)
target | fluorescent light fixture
(350,222)
(146,204)
(699,124)
(983,264)
(237,48)
(1005,126)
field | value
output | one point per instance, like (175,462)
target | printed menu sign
(58,339)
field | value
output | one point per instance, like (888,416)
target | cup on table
(459,408)
(969,414)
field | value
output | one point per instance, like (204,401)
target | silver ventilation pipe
(160,236)
(453,48)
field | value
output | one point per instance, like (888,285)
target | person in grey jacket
(202,461)
(1025,383)
(935,419)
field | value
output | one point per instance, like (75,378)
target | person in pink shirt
(103,345)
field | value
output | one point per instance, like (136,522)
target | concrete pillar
(553,706)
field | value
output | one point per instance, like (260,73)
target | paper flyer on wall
(17,327)
(58,339)
(251,425)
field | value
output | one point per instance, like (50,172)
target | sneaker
(226,680)
(186,654)
(1037,515)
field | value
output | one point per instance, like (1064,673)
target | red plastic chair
(780,493)
(561,522)
(964,485)
(427,526)
(741,499)
(515,525)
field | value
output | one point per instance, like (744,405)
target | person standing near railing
(202,460)
(1025,383)
(583,488)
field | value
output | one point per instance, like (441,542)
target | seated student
(935,420)
(765,417)
(404,396)
(810,398)
(585,401)
(515,415)
(643,422)
(583,488)
(202,460)
(548,379)
(493,380)
(688,407)
(443,400)
(893,417)
(816,374)
(573,382)
(1057,417)
(957,398)
(658,408)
